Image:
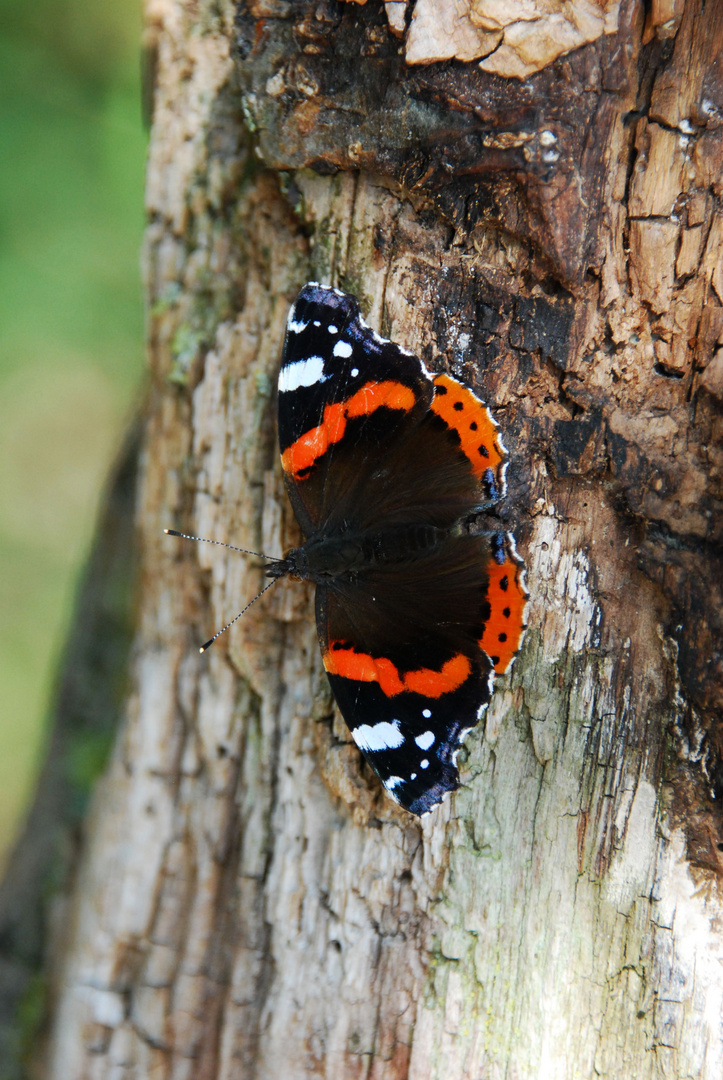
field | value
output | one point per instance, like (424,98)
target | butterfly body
(384,464)
(346,556)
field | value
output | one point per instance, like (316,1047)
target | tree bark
(248,902)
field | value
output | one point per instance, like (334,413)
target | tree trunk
(547,225)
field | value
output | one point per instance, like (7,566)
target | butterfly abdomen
(401,544)
(344,556)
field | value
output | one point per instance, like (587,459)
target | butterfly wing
(342,391)
(400,647)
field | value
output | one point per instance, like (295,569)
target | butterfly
(384,463)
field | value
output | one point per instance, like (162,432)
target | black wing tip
(419,799)
(334,299)
(433,796)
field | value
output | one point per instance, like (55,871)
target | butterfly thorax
(347,554)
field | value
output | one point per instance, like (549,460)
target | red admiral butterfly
(383,462)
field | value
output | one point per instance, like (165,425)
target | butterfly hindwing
(401,651)
(411,739)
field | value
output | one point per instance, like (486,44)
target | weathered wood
(89,701)
(249,902)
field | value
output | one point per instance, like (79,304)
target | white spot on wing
(294,326)
(424,763)
(354,372)
(393,781)
(342,348)
(381,736)
(425,740)
(426,713)
(301,373)
(332,329)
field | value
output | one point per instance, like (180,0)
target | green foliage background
(72,155)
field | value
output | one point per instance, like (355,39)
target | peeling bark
(248,901)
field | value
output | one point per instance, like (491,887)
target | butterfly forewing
(343,392)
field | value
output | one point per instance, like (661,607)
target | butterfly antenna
(220,543)
(223,629)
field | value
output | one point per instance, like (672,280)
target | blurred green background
(72,156)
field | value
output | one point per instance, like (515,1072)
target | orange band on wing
(314,443)
(392,395)
(364,668)
(435,683)
(462,411)
(505,627)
